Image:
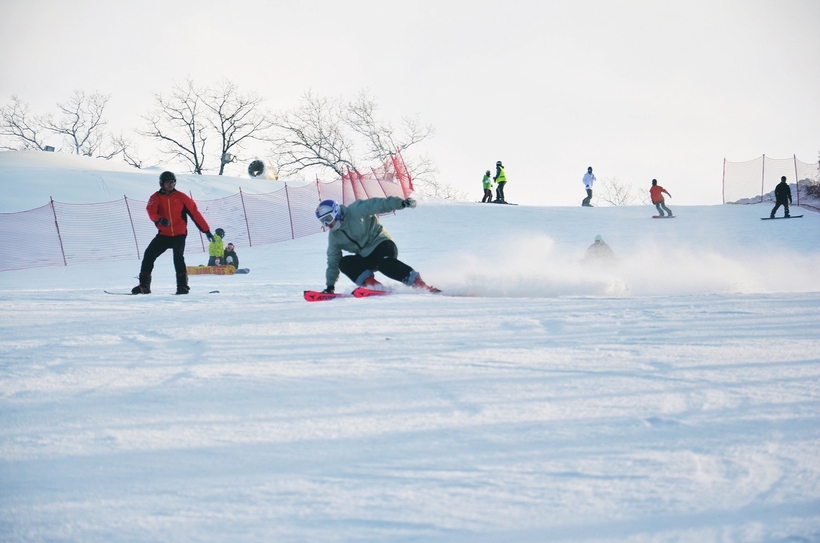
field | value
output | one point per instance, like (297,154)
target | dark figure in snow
(656,194)
(229,258)
(501,179)
(782,197)
(599,252)
(589,179)
(356,229)
(487,183)
(169,209)
(215,248)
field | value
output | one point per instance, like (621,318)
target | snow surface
(671,396)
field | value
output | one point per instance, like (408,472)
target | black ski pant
(588,199)
(383,259)
(159,245)
(488,196)
(778,203)
(499,191)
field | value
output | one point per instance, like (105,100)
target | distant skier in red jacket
(656,193)
(169,209)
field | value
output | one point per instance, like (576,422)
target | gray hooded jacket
(360,233)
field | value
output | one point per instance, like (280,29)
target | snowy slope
(673,396)
(29,178)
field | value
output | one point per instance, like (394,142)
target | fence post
(245,214)
(762,178)
(724,180)
(201,239)
(134,230)
(59,236)
(290,212)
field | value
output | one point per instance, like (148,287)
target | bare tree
(327,133)
(312,136)
(80,123)
(616,193)
(17,123)
(180,123)
(235,117)
(382,139)
(120,145)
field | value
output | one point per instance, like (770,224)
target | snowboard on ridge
(664,217)
(773,218)
(139,293)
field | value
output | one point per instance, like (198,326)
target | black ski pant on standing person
(159,245)
(784,202)
(499,192)
(383,259)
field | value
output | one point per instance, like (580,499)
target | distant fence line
(750,181)
(60,234)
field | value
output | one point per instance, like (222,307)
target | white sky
(635,89)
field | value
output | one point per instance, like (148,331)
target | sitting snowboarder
(229,258)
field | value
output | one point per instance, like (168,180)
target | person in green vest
(215,248)
(487,182)
(501,179)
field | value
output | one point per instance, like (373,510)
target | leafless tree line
(208,127)
(80,122)
(618,193)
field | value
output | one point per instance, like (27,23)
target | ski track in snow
(673,396)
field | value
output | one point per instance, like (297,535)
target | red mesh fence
(36,230)
(753,181)
(60,234)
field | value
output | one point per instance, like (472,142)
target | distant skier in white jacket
(589,179)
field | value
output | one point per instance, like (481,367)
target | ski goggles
(327,218)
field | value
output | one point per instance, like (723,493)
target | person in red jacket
(656,193)
(169,209)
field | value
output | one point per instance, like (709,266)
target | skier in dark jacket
(356,229)
(169,209)
(782,197)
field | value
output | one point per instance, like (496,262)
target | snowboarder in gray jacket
(356,229)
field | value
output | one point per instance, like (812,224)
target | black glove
(329,290)
(409,202)
(164,222)
(209,235)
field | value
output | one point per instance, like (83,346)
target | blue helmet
(328,212)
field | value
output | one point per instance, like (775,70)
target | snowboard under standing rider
(169,209)
(782,197)
(356,229)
